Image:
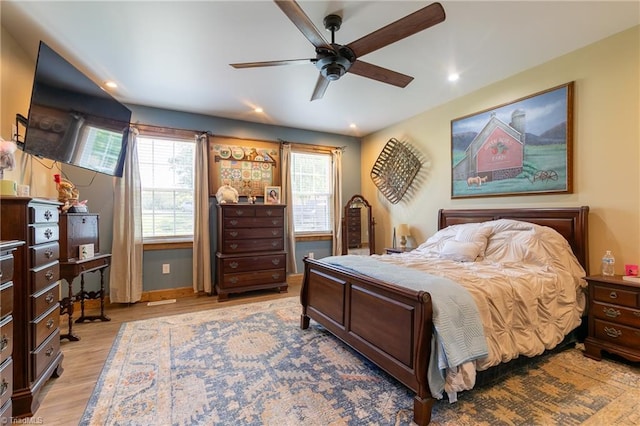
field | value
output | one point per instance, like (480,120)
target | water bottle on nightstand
(608,264)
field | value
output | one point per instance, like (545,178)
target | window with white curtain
(312,191)
(167,173)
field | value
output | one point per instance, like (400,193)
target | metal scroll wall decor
(395,169)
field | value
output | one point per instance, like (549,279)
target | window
(312,190)
(167,177)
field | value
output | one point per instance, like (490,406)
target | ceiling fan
(334,60)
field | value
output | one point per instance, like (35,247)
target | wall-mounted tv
(72,120)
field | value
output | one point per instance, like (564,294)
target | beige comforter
(526,282)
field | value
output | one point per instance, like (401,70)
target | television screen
(72,120)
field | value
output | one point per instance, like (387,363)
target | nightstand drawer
(616,296)
(619,334)
(616,314)
(6,381)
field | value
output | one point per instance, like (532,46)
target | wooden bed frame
(392,326)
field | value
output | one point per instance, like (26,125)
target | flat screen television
(73,120)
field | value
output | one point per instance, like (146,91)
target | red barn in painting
(496,153)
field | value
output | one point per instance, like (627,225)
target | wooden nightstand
(614,317)
(391,250)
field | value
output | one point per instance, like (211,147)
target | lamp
(403,232)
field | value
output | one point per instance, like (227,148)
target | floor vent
(161,302)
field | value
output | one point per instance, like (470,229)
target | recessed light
(258,110)
(454,76)
(111,84)
(353,125)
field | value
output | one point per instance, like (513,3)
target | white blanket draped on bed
(457,324)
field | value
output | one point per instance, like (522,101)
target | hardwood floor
(63,399)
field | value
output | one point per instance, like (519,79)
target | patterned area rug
(252,365)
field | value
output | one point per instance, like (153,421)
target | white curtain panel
(125,277)
(336,155)
(201,239)
(290,240)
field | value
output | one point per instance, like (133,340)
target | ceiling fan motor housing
(333,64)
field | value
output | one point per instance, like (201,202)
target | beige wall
(606,149)
(16,78)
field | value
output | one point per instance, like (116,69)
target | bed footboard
(391,326)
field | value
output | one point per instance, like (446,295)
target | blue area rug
(252,365)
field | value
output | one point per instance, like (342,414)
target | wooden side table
(71,270)
(614,317)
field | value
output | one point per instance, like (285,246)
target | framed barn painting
(520,148)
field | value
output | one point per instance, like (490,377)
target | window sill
(167,245)
(314,237)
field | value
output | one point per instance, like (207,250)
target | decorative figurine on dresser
(36,313)
(250,248)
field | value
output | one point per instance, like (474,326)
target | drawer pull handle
(4,343)
(611,313)
(274,232)
(48,215)
(275,276)
(636,313)
(0,274)
(274,244)
(50,323)
(49,351)
(275,261)
(234,222)
(48,233)
(613,295)
(48,254)
(233,265)
(234,246)
(49,298)
(269,212)
(275,221)
(233,280)
(49,275)
(233,233)
(612,332)
(4,386)
(239,212)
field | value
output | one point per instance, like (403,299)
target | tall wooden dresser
(6,328)
(36,343)
(250,248)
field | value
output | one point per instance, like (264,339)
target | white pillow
(460,251)
(474,233)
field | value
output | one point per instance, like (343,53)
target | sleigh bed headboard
(570,222)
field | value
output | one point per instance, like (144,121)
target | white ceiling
(175,54)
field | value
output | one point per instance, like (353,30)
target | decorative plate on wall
(395,169)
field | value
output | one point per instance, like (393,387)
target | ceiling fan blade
(365,69)
(402,28)
(273,63)
(300,19)
(321,87)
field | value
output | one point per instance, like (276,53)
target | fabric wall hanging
(394,170)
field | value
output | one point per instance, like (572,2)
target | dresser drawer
(6,381)
(616,314)
(5,413)
(6,299)
(253,222)
(245,246)
(238,211)
(619,334)
(6,338)
(6,268)
(269,212)
(249,233)
(46,233)
(43,214)
(42,357)
(44,276)
(44,325)
(245,279)
(616,296)
(44,253)
(42,301)
(253,263)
